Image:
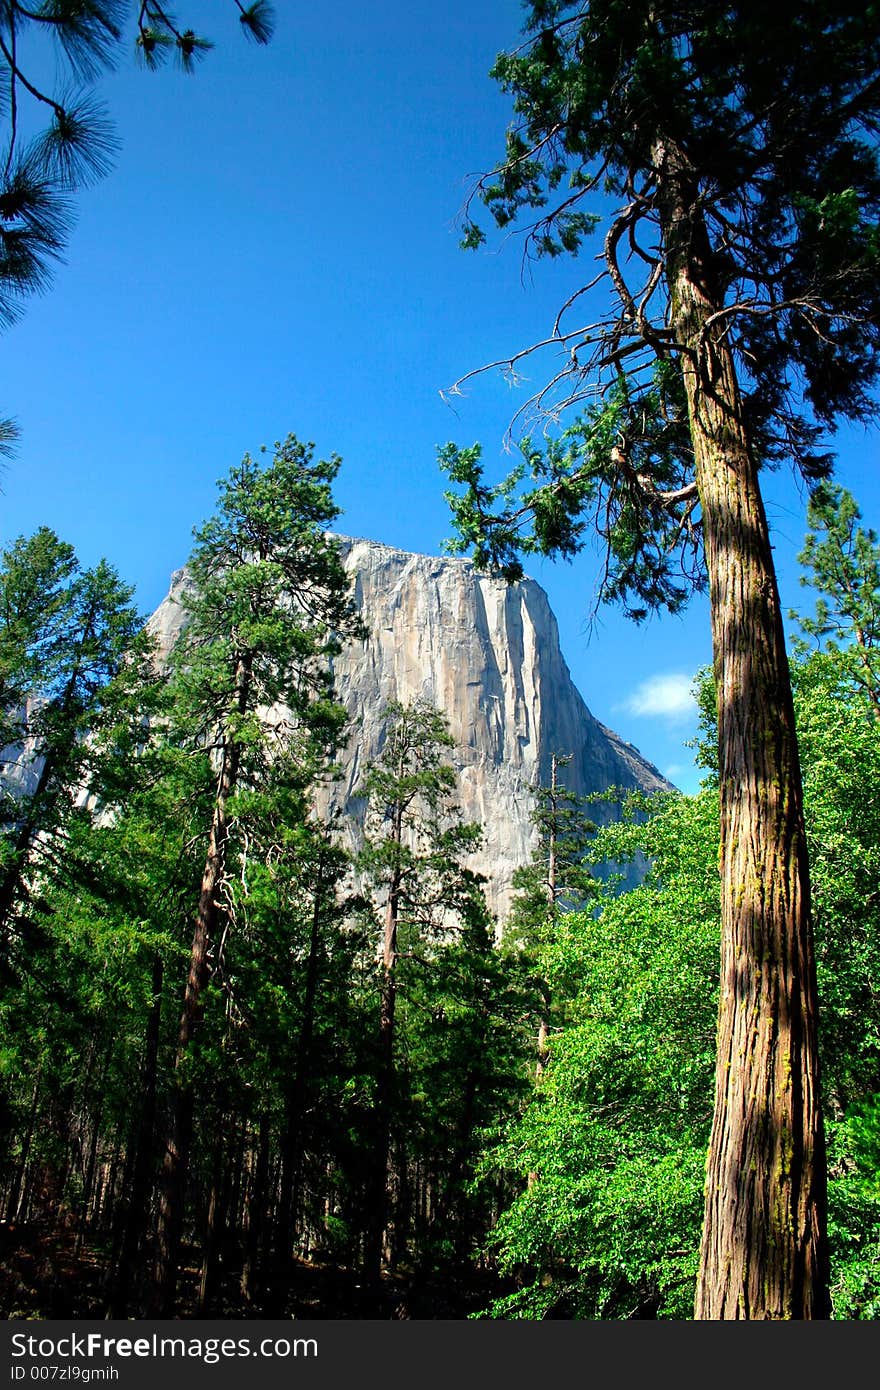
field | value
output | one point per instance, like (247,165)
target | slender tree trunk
(290,1162)
(543,1055)
(400,1186)
(233,1187)
(378,1196)
(252,1272)
(61,1122)
(135,1218)
(446,1217)
(89,1179)
(176,1161)
(764,1249)
(87,1203)
(213,1226)
(292,1140)
(13,1202)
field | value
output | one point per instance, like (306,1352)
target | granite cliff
(485,653)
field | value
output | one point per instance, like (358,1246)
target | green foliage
(838,732)
(772,109)
(769,117)
(613,1143)
(616,473)
(558,877)
(34,573)
(451,1044)
(266,590)
(283,1062)
(267,600)
(705,742)
(285,1021)
(463,1057)
(76,667)
(843,563)
(84,896)
(416,839)
(855,1211)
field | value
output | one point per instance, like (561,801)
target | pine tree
(843,564)
(268,601)
(412,861)
(76,665)
(557,879)
(78,932)
(34,574)
(466,1071)
(287,974)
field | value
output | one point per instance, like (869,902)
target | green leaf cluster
(617,477)
(610,1151)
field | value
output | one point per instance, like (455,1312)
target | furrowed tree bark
(764,1249)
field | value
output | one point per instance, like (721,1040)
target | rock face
(487,655)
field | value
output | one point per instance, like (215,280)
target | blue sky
(276,251)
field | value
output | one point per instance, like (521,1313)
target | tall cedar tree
(269,599)
(728,152)
(41,170)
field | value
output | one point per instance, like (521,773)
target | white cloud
(665,697)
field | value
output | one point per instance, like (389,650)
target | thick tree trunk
(764,1249)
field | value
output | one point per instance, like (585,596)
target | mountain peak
(487,655)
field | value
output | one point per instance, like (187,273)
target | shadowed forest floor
(46,1273)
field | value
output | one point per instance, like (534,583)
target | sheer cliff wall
(487,655)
